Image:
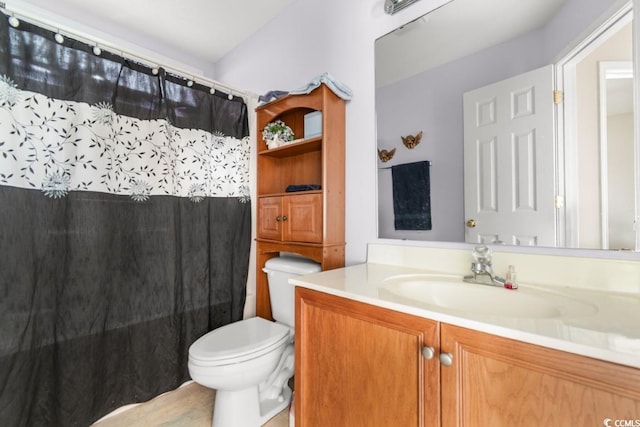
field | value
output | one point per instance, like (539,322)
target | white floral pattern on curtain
(61,146)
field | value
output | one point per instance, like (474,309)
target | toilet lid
(238,339)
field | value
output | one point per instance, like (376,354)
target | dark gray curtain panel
(125,227)
(102,296)
(71,71)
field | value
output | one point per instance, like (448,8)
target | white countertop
(610,332)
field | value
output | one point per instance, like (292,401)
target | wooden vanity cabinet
(362,365)
(311,222)
(495,381)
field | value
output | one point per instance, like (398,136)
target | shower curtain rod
(66,30)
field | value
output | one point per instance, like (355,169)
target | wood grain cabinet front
(495,381)
(363,365)
(360,365)
(291,218)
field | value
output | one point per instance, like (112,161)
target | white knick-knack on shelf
(275,142)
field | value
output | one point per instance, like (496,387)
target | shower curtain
(124,226)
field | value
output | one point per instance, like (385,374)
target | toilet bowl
(249,362)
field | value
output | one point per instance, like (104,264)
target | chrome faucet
(481,268)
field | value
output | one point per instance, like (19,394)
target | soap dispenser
(510,280)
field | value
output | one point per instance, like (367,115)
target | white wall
(617,48)
(620,173)
(335,36)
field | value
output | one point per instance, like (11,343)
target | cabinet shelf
(285,246)
(289,193)
(302,147)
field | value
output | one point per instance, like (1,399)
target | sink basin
(452,294)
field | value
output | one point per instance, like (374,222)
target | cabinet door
(270,218)
(360,365)
(495,381)
(302,218)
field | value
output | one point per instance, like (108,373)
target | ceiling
(202,29)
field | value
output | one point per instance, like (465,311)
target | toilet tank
(281,293)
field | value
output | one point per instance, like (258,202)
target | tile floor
(187,406)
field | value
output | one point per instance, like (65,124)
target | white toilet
(249,362)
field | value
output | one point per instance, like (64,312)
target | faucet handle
(482,254)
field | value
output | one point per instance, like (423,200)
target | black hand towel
(411,196)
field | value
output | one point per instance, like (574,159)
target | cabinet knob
(471,223)
(446,359)
(278,218)
(284,218)
(428,352)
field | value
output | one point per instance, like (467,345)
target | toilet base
(231,408)
(269,408)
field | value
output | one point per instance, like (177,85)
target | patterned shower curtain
(124,226)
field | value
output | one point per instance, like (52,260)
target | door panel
(360,365)
(509,160)
(495,381)
(303,221)
(269,210)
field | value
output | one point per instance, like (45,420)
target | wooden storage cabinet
(296,218)
(503,382)
(309,223)
(358,364)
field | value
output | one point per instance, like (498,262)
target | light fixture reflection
(392,6)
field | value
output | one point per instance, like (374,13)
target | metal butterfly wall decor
(411,141)
(385,155)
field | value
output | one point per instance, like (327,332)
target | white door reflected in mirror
(508,149)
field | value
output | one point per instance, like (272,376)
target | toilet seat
(239,341)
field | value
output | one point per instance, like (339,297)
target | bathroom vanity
(368,354)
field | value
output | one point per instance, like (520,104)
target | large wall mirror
(523,112)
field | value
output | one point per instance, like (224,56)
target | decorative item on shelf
(277,134)
(385,155)
(302,187)
(313,124)
(411,141)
